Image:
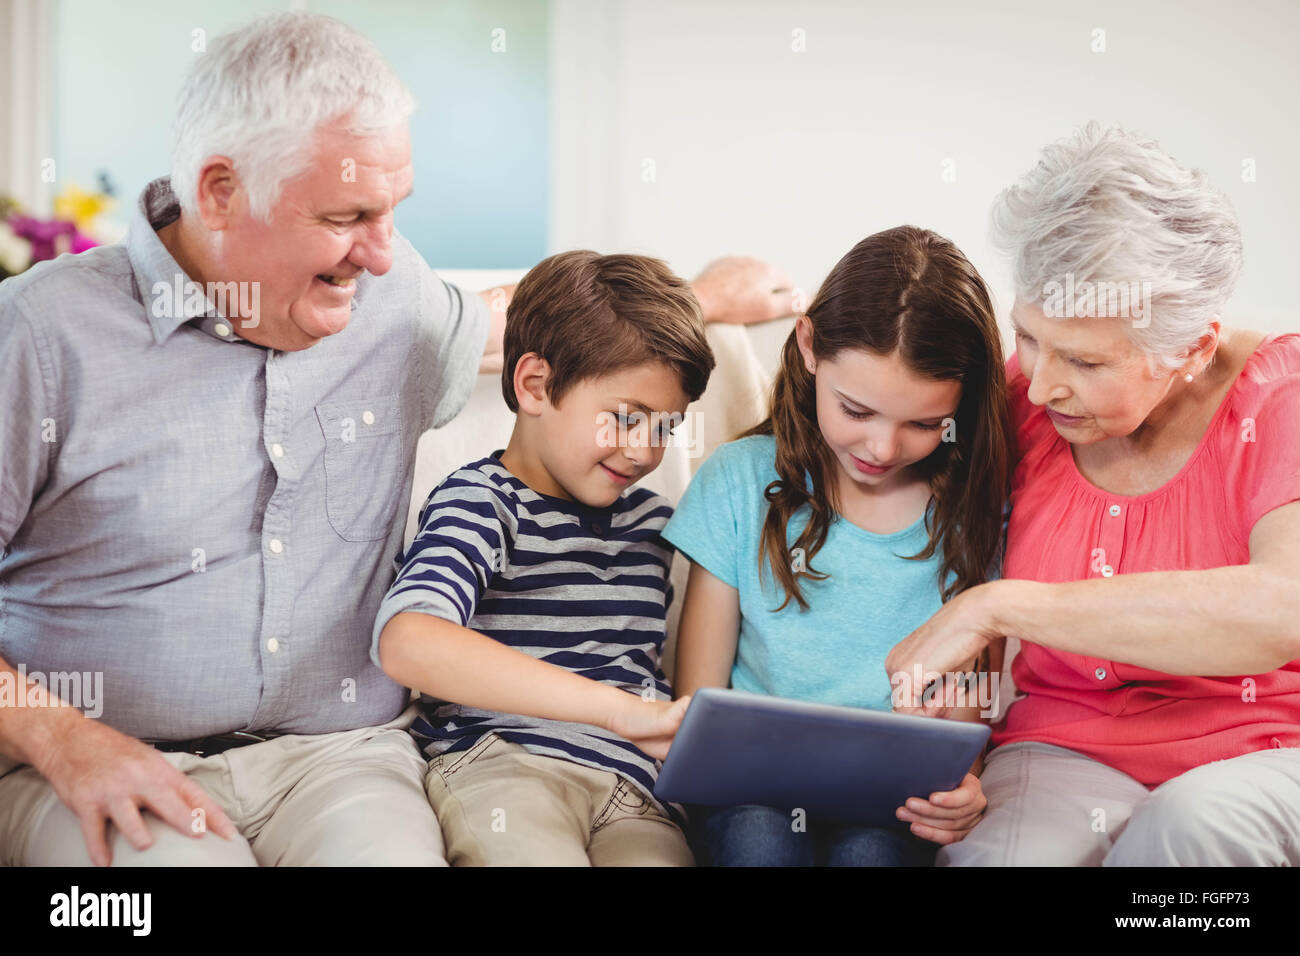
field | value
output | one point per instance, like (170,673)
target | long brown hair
(912,291)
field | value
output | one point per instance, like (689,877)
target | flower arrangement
(26,240)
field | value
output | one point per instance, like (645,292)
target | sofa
(736,398)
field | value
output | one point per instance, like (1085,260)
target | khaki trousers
(351,798)
(500,805)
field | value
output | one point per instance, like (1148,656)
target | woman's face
(876,415)
(1093,380)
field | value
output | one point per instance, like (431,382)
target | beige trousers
(351,798)
(500,805)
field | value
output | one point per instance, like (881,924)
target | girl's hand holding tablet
(946,816)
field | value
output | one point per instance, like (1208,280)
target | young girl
(871,494)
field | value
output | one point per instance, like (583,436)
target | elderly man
(202,493)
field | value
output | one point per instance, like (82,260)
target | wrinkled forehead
(370,169)
(1075,334)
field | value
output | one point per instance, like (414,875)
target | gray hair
(1109,206)
(262,91)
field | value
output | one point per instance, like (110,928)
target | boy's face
(608,433)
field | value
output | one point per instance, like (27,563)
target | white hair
(261,92)
(1107,205)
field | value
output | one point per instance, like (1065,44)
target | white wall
(25,74)
(119,68)
(795,156)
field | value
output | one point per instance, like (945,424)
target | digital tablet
(838,764)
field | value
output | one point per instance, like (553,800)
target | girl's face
(876,415)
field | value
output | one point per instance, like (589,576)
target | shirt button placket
(1110,544)
(1111,547)
(277,549)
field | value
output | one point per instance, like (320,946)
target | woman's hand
(943,648)
(650,724)
(949,814)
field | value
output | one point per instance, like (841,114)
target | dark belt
(211,746)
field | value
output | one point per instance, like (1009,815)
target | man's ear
(532,372)
(216,193)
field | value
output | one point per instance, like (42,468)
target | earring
(1188,378)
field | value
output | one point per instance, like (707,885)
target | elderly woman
(1151,568)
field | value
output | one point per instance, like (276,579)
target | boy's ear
(531,374)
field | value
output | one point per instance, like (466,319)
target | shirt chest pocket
(363,465)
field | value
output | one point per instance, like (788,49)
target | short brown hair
(589,315)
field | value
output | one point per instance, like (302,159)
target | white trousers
(1049,806)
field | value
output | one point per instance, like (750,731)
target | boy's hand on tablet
(650,724)
(948,815)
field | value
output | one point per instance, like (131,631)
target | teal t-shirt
(834,652)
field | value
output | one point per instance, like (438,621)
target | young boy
(530,608)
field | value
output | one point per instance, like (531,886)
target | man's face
(1095,383)
(329,226)
(610,432)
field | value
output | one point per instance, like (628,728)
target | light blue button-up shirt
(211,523)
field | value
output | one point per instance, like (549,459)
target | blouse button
(1107,570)
(1101,673)
(1114,511)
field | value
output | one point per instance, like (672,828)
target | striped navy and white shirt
(584,588)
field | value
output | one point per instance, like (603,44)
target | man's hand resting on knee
(102,774)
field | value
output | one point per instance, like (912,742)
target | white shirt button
(273,645)
(368,417)
(277,450)
(276,545)
(1106,570)
(1100,672)
(1114,511)
(222,329)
